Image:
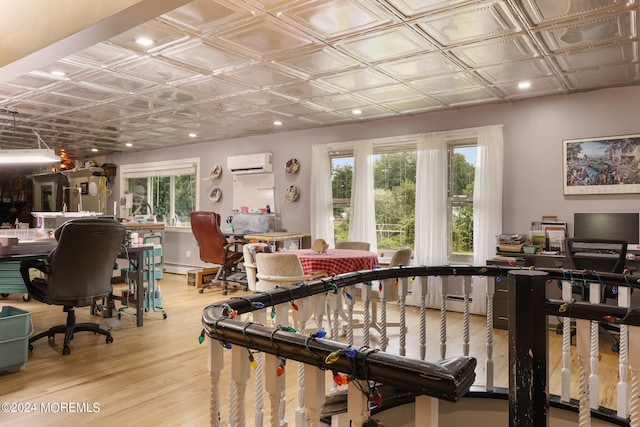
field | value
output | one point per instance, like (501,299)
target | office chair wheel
(201,290)
(164,315)
(66,350)
(26,297)
(4,295)
(119,316)
(109,339)
(615,348)
(30,347)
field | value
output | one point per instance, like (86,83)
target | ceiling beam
(37,33)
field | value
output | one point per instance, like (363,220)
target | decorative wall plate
(215,172)
(292,193)
(215,195)
(292,167)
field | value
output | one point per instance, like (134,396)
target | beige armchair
(250,250)
(278,269)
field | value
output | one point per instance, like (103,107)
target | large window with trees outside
(167,190)
(395,196)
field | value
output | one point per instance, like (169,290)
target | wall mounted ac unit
(250,163)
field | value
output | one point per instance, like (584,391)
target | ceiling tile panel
(549,11)
(356,80)
(206,56)
(466,97)
(443,83)
(333,19)
(203,16)
(418,66)
(516,71)
(157,70)
(485,20)
(539,87)
(611,76)
(590,32)
(412,8)
(421,104)
(339,102)
(496,51)
(389,44)
(317,62)
(264,38)
(260,76)
(597,57)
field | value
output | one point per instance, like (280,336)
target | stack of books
(511,242)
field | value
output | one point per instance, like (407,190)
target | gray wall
(533,135)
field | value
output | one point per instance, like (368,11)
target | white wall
(533,134)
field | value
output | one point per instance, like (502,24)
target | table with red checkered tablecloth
(336,261)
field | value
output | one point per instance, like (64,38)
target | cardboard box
(201,277)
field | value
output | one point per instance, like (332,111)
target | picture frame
(84,188)
(602,165)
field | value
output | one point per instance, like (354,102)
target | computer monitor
(617,226)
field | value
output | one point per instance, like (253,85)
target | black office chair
(77,273)
(599,255)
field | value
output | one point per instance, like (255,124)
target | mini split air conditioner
(250,163)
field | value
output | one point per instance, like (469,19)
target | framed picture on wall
(603,165)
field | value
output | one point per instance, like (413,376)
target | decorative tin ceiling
(231,68)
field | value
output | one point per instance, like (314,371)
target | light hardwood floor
(157,374)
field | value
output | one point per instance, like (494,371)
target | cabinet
(501,295)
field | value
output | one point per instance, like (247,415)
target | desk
(135,255)
(10,256)
(278,239)
(336,261)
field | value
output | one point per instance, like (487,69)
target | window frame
(457,200)
(171,168)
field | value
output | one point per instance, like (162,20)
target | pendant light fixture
(42,154)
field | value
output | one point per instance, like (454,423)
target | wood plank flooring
(157,375)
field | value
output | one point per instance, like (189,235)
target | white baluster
(427,411)
(465,333)
(357,403)
(634,367)
(624,300)
(216,364)
(350,303)
(366,319)
(491,290)
(583,351)
(567,296)
(301,320)
(403,290)
(444,285)
(260,317)
(239,376)
(275,387)
(594,379)
(314,393)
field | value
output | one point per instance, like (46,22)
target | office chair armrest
(235,243)
(36,264)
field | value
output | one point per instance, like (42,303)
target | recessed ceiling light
(193,134)
(94,150)
(58,73)
(143,41)
(356,112)
(524,85)
(277,123)
(128,144)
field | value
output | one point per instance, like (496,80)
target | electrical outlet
(188,254)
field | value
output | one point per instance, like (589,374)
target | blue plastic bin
(14,337)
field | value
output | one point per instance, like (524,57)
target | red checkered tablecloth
(336,261)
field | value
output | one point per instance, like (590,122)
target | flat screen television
(617,226)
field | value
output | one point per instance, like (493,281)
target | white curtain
(431,209)
(362,222)
(321,198)
(487,207)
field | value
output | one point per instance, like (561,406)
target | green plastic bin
(14,337)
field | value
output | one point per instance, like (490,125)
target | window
(166,189)
(395,196)
(462,155)
(394,186)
